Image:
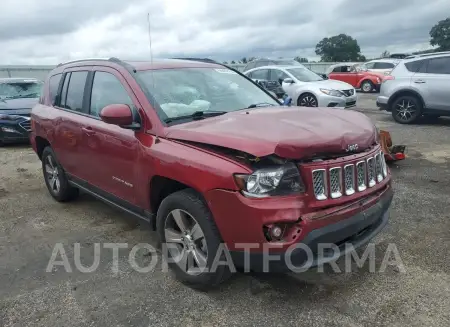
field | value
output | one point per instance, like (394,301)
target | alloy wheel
(52,175)
(367,87)
(186,242)
(308,101)
(405,110)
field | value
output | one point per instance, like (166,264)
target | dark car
(17,97)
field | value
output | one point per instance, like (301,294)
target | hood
(289,132)
(22,103)
(334,84)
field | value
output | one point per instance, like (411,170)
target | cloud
(50,31)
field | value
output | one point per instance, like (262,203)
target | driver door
(112,151)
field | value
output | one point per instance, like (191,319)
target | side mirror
(288,81)
(118,114)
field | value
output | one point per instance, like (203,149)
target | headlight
(9,130)
(9,117)
(281,180)
(333,93)
(378,80)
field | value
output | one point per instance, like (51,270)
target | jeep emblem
(352,148)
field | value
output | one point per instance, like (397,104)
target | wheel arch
(161,187)
(41,144)
(400,93)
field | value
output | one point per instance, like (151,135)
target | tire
(307,100)
(55,178)
(367,86)
(189,206)
(399,109)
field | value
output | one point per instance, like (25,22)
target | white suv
(416,87)
(383,66)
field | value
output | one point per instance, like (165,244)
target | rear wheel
(187,230)
(55,178)
(307,100)
(406,109)
(367,86)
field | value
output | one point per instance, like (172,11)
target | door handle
(88,130)
(419,81)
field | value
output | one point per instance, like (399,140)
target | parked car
(270,62)
(207,157)
(306,88)
(416,87)
(357,75)
(383,66)
(17,97)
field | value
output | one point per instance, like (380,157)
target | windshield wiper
(262,104)
(196,115)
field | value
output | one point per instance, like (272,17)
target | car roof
(141,65)
(427,55)
(278,67)
(18,80)
(390,60)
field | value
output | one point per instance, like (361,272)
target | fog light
(276,231)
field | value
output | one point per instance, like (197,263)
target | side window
(383,65)
(75,91)
(439,66)
(107,89)
(337,69)
(261,74)
(62,102)
(53,87)
(414,66)
(278,75)
(371,65)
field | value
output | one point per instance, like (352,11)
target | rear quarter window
(414,66)
(53,87)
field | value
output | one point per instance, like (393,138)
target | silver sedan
(306,88)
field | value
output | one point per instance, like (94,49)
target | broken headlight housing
(273,181)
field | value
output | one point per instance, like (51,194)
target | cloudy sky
(51,31)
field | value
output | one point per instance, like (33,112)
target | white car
(306,88)
(384,66)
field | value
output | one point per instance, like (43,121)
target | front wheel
(307,100)
(406,109)
(191,241)
(367,86)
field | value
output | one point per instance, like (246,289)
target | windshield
(184,91)
(304,75)
(15,90)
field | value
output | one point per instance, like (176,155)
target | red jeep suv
(213,162)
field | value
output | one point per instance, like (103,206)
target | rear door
(433,83)
(70,138)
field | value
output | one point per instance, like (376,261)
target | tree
(301,59)
(385,54)
(440,35)
(244,60)
(340,47)
(233,62)
(225,63)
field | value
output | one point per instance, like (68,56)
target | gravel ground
(32,223)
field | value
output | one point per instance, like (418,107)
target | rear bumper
(324,244)
(382,103)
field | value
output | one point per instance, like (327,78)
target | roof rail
(199,59)
(112,59)
(428,54)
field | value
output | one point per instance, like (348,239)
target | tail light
(388,78)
